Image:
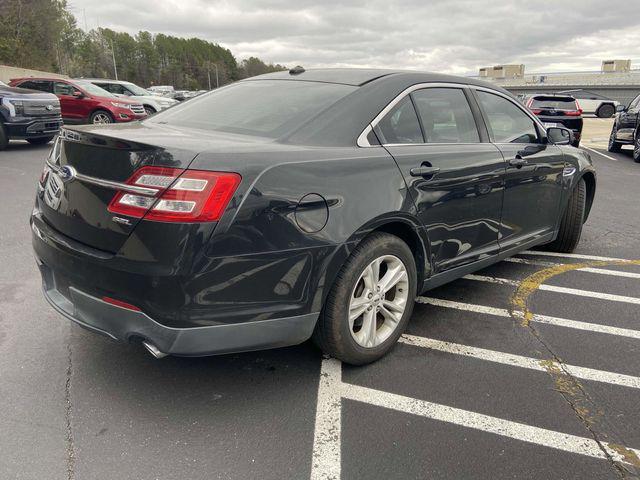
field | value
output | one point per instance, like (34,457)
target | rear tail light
(181,195)
(573,113)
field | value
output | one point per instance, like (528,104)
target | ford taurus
(296,205)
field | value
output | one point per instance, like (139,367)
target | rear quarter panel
(260,254)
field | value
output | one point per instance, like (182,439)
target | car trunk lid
(88,166)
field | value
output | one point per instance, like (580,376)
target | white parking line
(522,362)
(558,289)
(327,436)
(478,421)
(572,255)
(600,153)
(546,319)
(600,271)
(327,439)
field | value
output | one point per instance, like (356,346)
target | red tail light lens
(572,113)
(536,111)
(181,196)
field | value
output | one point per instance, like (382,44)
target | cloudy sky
(452,36)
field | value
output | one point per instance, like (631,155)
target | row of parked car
(566,109)
(35,108)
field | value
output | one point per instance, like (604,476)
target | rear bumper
(125,325)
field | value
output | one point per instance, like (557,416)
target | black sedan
(298,204)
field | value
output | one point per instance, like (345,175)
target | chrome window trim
(364,143)
(107,183)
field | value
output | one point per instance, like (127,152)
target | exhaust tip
(153,350)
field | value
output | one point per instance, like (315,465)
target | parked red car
(83,102)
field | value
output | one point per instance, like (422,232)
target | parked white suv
(591,102)
(152,103)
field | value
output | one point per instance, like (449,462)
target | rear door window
(42,85)
(445,115)
(401,124)
(506,122)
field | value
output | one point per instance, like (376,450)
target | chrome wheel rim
(101,118)
(636,148)
(378,301)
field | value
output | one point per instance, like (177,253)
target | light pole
(113,56)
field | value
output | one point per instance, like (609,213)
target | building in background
(616,66)
(502,71)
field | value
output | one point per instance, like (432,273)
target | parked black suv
(557,111)
(28,114)
(626,128)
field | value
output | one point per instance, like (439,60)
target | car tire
(149,110)
(613,146)
(636,147)
(605,111)
(572,221)
(100,117)
(40,140)
(348,339)
(4,138)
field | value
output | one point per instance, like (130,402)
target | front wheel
(370,302)
(100,117)
(636,147)
(4,138)
(149,110)
(572,220)
(40,140)
(614,146)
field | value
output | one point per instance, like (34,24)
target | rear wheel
(39,140)
(370,302)
(4,138)
(572,220)
(100,117)
(605,111)
(614,146)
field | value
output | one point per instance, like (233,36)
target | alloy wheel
(636,148)
(101,118)
(378,301)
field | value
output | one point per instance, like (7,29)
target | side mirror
(621,108)
(560,136)
(77,94)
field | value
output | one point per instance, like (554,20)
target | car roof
(362,76)
(102,80)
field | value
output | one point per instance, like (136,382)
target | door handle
(518,161)
(424,171)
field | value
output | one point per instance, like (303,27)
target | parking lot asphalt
(475,389)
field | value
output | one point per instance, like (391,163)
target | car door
(533,179)
(628,120)
(455,179)
(68,103)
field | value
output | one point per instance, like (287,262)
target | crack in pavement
(571,390)
(71,456)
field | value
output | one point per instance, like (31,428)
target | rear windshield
(266,108)
(564,103)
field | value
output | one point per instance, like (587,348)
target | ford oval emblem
(67,173)
(49,107)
